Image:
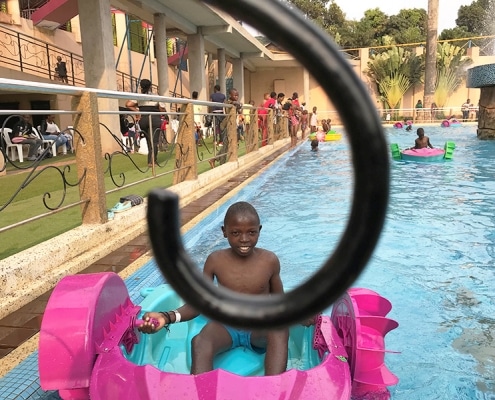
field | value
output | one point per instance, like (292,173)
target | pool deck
(22,326)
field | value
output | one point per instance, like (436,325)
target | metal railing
(118,169)
(24,53)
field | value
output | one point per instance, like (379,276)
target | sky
(447,12)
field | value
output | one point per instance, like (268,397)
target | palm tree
(431,53)
(394,71)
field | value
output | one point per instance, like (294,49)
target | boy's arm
(168,317)
(276,285)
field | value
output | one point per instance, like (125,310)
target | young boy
(314,145)
(244,268)
(422,141)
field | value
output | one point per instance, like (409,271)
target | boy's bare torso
(249,275)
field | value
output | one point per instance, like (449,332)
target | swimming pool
(434,260)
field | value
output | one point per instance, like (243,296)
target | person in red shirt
(269,103)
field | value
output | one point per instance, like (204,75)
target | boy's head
(420,132)
(216,88)
(314,109)
(242,227)
(145,85)
(233,94)
(241,208)
(314,144)
(195,95)
(280,97)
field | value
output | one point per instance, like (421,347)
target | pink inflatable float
(90,349)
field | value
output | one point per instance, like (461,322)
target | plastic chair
(49,142)
(12,147)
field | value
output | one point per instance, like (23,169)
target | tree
(393,71)
(451,70)
(458,32)
(408,26)
(478,18)
(431,57)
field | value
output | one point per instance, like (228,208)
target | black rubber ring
(320,56)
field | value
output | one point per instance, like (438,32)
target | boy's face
(234,95)
(242,232)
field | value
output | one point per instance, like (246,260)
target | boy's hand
(309,321)
(149,318)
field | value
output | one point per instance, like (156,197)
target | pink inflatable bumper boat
(424,155)
(90,348)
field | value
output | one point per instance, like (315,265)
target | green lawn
(28,191)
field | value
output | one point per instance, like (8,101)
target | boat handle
(323,60)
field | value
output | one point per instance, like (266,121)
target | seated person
(230,267)
(50,131)
(422,141)
(22,132)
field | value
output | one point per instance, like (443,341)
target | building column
(99,72)
(76,28)
(197,75)
(238,75)
(160,29)
(306,88)
(14,11)
(221,70)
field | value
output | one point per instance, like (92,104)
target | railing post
(252,133)
(270,129)
(19,48)
(232,149)
(185,149)
(48,61)
(89,160)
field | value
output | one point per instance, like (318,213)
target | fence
(83,186)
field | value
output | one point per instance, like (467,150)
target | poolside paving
(24,323)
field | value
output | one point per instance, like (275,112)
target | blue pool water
(434,260)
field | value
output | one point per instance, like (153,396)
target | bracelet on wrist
(177,316)
(168,320)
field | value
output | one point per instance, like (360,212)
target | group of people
(23,132)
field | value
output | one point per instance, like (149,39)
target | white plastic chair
(49,142)
(12,147)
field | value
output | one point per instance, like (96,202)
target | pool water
(434,260)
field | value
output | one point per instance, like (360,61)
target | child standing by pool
(243,268)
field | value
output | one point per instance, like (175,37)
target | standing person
(51,131)
(198,117)
(22,132)
(304,123)
(243,268)
(419,109)
(61,70)
(434,109)
(217,97)
(268,103)
(422,141)
(150,130)
(294,114)
(465,110)
(314,121)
